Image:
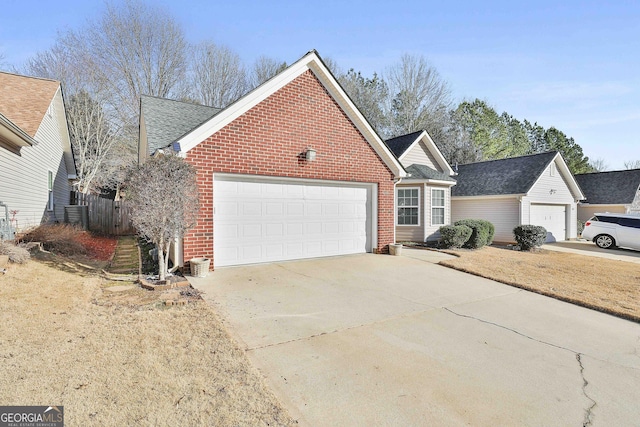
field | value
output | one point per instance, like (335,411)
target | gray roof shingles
(425,172)
(609,188)
(400,144)
(501,177)
(167,120)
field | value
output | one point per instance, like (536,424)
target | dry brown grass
(605,285)
(121,358)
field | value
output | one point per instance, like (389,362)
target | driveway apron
(382,340)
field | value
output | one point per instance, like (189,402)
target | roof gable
(401,146)
(166,120)
(610,188)
(25,100)
(516,175)
(423,172)
(310,62)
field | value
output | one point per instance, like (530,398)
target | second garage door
(265,220)
(551,217)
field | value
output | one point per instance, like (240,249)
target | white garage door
(264,220)
(551,217)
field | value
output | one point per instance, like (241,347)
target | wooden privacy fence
(106,216)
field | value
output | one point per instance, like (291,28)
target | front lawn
(602,284)
(113,354)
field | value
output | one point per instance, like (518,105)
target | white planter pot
(395,249)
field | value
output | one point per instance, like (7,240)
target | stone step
(124,271)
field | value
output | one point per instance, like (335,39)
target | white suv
(609,230)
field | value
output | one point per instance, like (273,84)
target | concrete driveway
(380,340)
(583,247)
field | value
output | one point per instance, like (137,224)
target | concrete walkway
(380,340)
(583,247)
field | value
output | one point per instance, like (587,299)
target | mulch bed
(100,248)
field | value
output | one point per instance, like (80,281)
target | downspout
(520,211)
(396,181)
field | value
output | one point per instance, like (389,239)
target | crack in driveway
(588,412)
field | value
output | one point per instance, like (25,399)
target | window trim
(443,206)
(418,206)
(50,178)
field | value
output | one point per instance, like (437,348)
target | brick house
(291,170)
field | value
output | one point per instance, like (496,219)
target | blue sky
(574,65)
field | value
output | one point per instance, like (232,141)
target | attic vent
(553,169)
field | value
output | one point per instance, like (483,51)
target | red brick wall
(268,139)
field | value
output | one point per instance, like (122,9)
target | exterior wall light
(310,154)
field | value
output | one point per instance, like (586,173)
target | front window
(437,207)
(408,206)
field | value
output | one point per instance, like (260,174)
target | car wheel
(605,241)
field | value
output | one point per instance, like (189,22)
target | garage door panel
(270,221)
(274,209)
(247,209)
(551,217)
(331,209)
(295,209)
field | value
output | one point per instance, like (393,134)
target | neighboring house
(36,161)
(291,170)
(615,192)
(538,189)
(423,198)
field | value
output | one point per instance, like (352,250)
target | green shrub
(492,231)
(481,235)
(530,236)
(454,236)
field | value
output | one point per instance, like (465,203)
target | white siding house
(423,199)
(36,163)
(614,191)
(538,189)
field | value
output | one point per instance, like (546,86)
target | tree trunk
(166,256)
(161,269)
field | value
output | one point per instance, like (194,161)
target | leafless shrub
(164,202)
(16,254)
(59,238)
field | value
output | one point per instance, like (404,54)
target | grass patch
(605,285)
(121,357)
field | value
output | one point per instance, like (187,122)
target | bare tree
(632,164)
(218,77)
(95,130)
(421,99)
(93,138)
(370,95)
(263,69)
(136,48)
(598,165)
(132,49)
(165,202)
(64,62)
